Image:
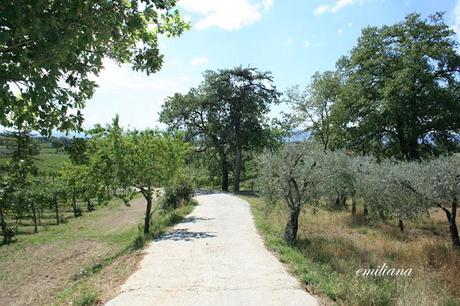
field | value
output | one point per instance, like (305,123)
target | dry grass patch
(331,247)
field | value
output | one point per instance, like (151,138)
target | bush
(179,194)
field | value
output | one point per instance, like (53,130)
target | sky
(292,38)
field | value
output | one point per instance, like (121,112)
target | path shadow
(195,219)
(207,191)
(184,235)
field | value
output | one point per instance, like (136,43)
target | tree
(77,150)
(145,161)
(228,112)
(6,192)
(50,49)
(108,161)
(71,178)
(312,108)
(154,160)
(292,175)
(387,189)
(204,121)
(401,92)
(439,182)
(339,178)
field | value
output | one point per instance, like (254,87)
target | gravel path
(214,257)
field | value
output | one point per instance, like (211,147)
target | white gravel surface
(215,257)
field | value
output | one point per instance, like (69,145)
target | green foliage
(312,108)
(77,150)
(227,113)
(300,174)
(50,49)
(386,187)
(400,96)
(137,160)
(178,194)
(438,180)
(291,174)
(88,298)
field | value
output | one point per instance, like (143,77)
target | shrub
(179,194)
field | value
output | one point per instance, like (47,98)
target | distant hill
(298,136)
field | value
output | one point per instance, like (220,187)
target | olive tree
(388,190)
(439,182)
(292,175)
(339,178)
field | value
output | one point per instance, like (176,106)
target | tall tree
(50,49)
(204,122)
(401,96)
(312,107)
(228,112)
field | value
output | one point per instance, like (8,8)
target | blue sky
(290,38)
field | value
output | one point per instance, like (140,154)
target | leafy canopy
(401,96)
(50,49)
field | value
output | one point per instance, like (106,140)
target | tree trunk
(353,208)
(4,227)
(56,209)
(290,234)
(451,216)
(224,172)
(366,210)
(401,225)
(34,215)
(148,212)
(453,224)
(40,215)
(76,211)
(237,174)
(340,201)
(90,206)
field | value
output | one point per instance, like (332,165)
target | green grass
(331,248)
(89,297)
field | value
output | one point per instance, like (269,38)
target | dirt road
(214,257)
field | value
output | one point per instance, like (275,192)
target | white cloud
(199,61)
(456,26)
(306,44)
(267,4)
(225,14)
(339,4)
(134,95)
(321,9)
(339,31)
(122,77)
(289,40)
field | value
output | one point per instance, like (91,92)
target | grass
(119,266)
(80,262)
(331,247)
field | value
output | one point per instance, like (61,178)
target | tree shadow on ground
(193,219)
(184,235)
